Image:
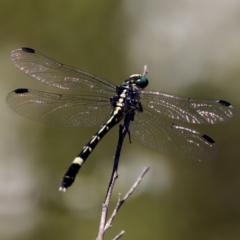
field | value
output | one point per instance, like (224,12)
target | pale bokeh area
(192,48)
(193,40)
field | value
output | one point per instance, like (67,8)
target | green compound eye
(142,82)
(138,79)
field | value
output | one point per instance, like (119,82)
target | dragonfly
(144,114)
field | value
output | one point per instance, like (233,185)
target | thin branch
(120,202)
(145,70)
(122,133)
(119,235)
(145,170)
(105,207)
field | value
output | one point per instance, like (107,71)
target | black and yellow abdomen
(116,117)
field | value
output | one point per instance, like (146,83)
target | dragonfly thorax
(138,80)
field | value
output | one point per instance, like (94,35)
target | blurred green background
(192,48)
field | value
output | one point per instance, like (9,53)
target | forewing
(169,139)
(58,109)
(55,74)
(198,111)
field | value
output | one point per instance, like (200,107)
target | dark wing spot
(21,90)
(29,50)
(210,140)
(224,103)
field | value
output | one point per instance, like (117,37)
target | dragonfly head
(137,79)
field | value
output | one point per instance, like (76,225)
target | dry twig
(104,227)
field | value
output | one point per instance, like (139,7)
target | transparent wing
(52,73)
(198,111)
(170,139)
(58,109)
